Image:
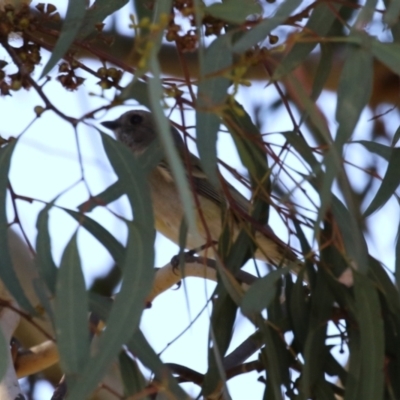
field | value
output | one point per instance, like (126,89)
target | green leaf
(128,306)
(388,54)
(397,261)
(234,11)
(261,293)
(323,70)
(132,377)
(249,143)
(72,23)
(212,94)
(71,311)
(4,355)
(391,16)
(137,90)
(366,13)
(222,320)
(97,13)
(353,238)
(396,137)
(270,358)
(389,184)
(377,148)
(137,279)
(115,248)
(129,171)
(107,196)
(7,272)
(148,160)
(302,148)
(354,384)
(261,31)
(173,158)
(395,25)
(100,305)
(44,260)
(140,347)
(385,285)
(318,25)
(371,337)
(315,348)
(299,309)
(354,91)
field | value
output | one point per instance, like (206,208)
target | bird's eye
(136,119)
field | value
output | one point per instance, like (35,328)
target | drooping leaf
(132,377)
(372,345)
(141,349)
(71,311)
(115,248)
(388,54)
(137,268)
(234,11)
(354,91)
(264,28)
(5,357)
(7,272)
(137,90)
(391,16)
(389,184)
(222,320)
(261,293)
(44,260)
(107,196)
(319,23)
(97,13)
(211,96)
(72,23)
(127,309)
(377,148)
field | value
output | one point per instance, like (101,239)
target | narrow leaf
(319,24)
(261,293)
(372,340)
(211,96)
(115,248)
(234,11)
(140,347)
(72,23)
(44,260)
(97,13)
(71,311)
(388,54)
(127,309)
(354,92)
(107,196)
(389,184)
(7,272)
(264,28)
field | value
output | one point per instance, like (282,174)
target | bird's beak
(111,124)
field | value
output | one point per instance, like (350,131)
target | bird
(137,130)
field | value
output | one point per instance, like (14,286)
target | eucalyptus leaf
(71,311)
(44,260)
(234,11)
(72,23)
(389,184)
(261,293)
(97,13)
(7,272)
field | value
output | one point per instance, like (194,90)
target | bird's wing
(203,186)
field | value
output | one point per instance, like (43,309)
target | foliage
(336,293)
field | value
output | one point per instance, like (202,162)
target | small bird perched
(136,129)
